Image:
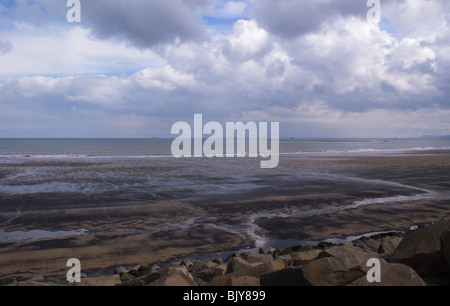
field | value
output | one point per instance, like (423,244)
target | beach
(199,207)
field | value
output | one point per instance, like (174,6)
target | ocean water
(72,148)
(83,165)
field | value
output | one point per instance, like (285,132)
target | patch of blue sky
(386,25)
(8,3)
(7,10)
(220,25)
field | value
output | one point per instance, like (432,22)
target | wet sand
(141,226)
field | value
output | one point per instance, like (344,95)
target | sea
(38,165)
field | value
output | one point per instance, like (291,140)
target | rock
(37,277)
(255,270)
(301,257)
(237,264)
(266,250)
(126,277)
(29,283)
(187,263)
(245,281)
(101,281)
(277,264)
(325,244)
(244,255)
(292,276)
(389,245)
(7,281)
(393,275)
(209,272)
(331,271)
(135,273)
(421,250)
(413,227)
(371,244)
(230,257)
(201,265)
(287,260)
(343,265)
(217,260)
(302,248)
(445,246)
(120,269)
(155,267)
(141,281)
(178,276)
(259,258)
(137,267)
(143,270)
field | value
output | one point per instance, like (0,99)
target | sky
(134,68)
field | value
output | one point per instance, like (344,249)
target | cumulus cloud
(291,18)
(318,67)
(145,24)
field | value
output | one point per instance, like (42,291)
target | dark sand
(143,227)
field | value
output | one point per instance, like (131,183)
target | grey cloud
(5,47)
(292,18)
(144,24)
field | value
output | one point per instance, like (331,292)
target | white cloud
(70,51)
(340,75)
(248,38)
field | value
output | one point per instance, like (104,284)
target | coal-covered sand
(348,196)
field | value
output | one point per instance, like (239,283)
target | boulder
(201,265)
(287,260)
(389,244)
(237,264)
(155,267)
(136,267)
(325,244)
(207,274)
(259,258)
(255,270)
(371,244)
(187,263)
(421,250)
(100,281)
(141,271)
(29,283)
(7,281)
(126,277)
(141,281)
(393,274)
(37,278)
(277,265)
(206,270)
(266,250)
(244,281)
(178,276)
(300,257)
(445,246)
(341,265)
(292,276)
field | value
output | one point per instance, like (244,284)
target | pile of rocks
(416,258)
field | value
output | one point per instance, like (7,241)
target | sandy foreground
(126,228)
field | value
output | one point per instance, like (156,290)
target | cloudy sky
(134,68)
